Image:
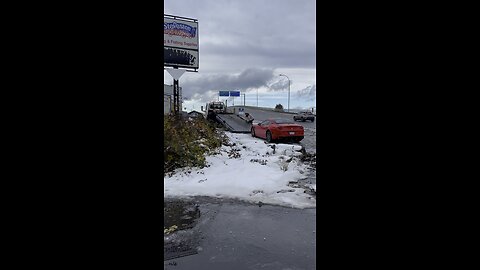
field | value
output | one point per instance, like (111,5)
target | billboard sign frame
(180,42)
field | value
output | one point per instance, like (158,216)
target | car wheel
(303,120)
(313,119)
(269,136)
(253,132)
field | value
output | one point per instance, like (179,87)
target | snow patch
(258,172)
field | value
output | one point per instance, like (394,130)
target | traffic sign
(223,93)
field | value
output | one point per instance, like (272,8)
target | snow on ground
(250,170)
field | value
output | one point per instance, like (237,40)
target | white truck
(215,107)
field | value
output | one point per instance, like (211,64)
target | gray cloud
(279,85)
(205,97)
(247,79)
(265,56)
(245,33)
(309,92)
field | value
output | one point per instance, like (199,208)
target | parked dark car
(304,116)
(275,129)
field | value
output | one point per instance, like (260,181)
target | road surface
(233,235)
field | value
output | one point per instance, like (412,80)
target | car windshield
(282,121)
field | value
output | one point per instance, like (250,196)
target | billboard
(180,42)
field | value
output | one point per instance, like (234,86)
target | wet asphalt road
(310,129)
(236,235)
(230,234)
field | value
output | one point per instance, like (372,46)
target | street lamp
(288,108)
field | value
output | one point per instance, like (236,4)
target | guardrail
(261,108)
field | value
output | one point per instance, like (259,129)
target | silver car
(304,116)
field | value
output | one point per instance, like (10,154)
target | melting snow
(251,170)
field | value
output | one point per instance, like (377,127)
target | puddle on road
(180,213)
(182,240)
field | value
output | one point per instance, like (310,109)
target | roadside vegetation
(278,108)
(187,142)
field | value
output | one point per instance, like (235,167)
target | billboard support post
(176,100)
(176,74)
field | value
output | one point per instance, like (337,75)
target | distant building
(168,98)
(195,114)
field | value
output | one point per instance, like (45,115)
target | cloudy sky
(245,45)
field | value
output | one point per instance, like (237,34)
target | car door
(262,129)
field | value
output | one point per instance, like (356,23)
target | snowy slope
(249,170)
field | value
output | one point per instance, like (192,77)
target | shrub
(279,108)
(187,141)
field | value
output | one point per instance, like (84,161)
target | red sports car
(274,129)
